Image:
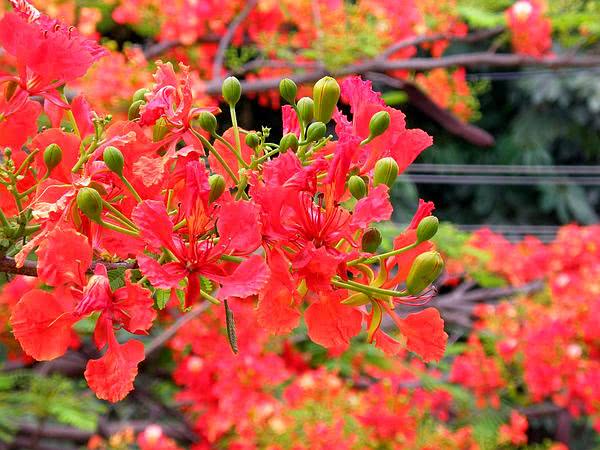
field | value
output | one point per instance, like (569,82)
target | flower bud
(306,109)
(316,131)
(371,240)
(217,187)
(357,187)
(425,269)
(231,90)
(288,142)
(140,94)
(134,109)
(252,140)
(288,90)
(113,158)
(326,93)
(208,122)
(89,203)
(358,299)
(52,156)
(160,129)
(427,228)
(386,172)
(379,123)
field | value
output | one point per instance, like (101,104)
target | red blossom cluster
(199,216)
(531,30)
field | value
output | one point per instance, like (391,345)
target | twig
(9,265)
(167,334)
(228,36)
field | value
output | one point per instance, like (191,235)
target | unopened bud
(134,109)
(231,90)
(288,90)
(252,140)
(140,94)
(89,203)
(326,93)
(52,156)
(425,269)
(358,299)
(160,129)
(316,131)
(379,123)
(217,186)
(427,228)
(306,109)
(371,240)
(357,187)
(113,158)
(386,172)
(208,122)
(288,142)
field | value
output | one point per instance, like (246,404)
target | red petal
(111,377)
(42,323)
(136,307)
(375,207)
(164,277)
(425,336)
(247,279)
(152,219)
(239,226)
(63,257)
(330,323)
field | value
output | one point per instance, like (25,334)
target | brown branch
(228,36)
(167,334)
(445,118)
(9,265)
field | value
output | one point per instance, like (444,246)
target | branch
(9,265)
(445,118)
(228,36)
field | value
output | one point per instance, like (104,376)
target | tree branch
(228,36)
(9,265)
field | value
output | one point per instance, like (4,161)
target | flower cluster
(531,30)
(124,216)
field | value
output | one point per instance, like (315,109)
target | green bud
(288,90)
(357,187)
(160,129)
(134,109)
(379,123)
(386,172)
(326,93)
(371,240)
(425,269)
(358,299)
(288,142)
(231,90)
(89,203)
(208,122)
(217,186)
(140,94)
(113,158)
(316,131)
(427,228)
(252,140)
(52,156)
(306,109)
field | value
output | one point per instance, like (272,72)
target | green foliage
(28,396)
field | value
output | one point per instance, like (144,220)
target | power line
(507,76)
(506,180)
(504,169)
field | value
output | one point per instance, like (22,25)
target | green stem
(214,151)
(235,152)
(232,258)
(3,219)
(119,214)
(26,161)
(358,287)
(131,189)
(374,259)
(119,229)
(210,298)
(236,131)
